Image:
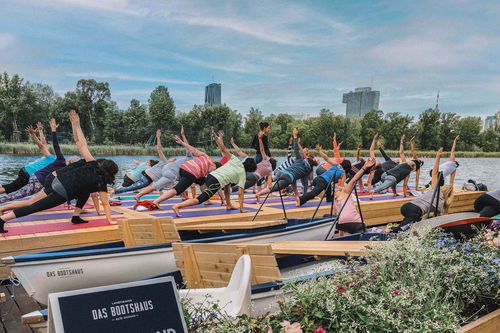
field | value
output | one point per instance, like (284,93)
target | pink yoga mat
(51,227)
(53,216)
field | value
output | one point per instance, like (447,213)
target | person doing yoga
(299,169)
(415,209)
(265,128)
(348,218)
(192,171)
(336,157)
(400,172)
(37,180)
(448,168)
(324,181)
(25,173)
(488,204)
(264,168)
(151,174)
(135,174)
(233,172)
(75,181)
(169,174)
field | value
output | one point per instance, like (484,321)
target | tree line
(23,103)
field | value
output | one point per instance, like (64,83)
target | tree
(162,111)
(221,117)
(490,140)
(136,123)
(371,123)
(469,129)
(394,126)
(115,125)
(428,129)
(252,120)
(448,129)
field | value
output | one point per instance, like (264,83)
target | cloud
(6,40)
(117,6)
(127,77)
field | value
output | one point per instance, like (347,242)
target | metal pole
(283,206)
(333,195)
(359,208)
(328,188)
(260,208)
(338,214)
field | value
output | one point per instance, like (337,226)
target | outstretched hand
(182,130)
(440,151)
(30,130)
(74,118)
(403,138)
(456,138)
(39,126)
(360,145)
(412,138)
(221,134)
(53,124)
(370,162)
(178,140)
(158,134)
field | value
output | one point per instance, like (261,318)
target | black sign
(150,306)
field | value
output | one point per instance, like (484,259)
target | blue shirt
(38,164)
(334,170)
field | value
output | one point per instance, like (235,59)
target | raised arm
(188,147)
(320,151)
(159,147)
(261,146)
(336,147)
(39,127)
(348,187)
(402,149)
(82,146)
(357,152)
(238,150)
(435,168)
(55,141)
(43,148)
(452,158)
(298,154)
(372,146)
(412,147)
(220,143)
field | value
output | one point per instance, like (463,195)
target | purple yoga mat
(308,204)
(381,197)
(53,216)
(197,213)
(273,200)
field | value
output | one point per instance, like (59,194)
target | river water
(482,170)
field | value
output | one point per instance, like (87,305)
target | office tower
(490,122)
(213,94)
(360,102)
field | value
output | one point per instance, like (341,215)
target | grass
(136,150)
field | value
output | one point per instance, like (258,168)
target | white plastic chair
(233,299)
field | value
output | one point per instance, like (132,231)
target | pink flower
(319,330)
(396,292)
(269,329)
(340,289)
(290,328)
(375,274)
(353,282)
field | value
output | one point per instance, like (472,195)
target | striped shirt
(199,166)
(287,163)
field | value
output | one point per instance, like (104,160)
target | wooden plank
(230,225)
(355,248)
(486,324)
(11,318)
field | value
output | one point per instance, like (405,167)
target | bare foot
(208,202)
(175,208)
(137,198)
(230,207)
(257,198)
(297,201)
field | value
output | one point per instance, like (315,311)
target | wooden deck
(17,303)
(384,209)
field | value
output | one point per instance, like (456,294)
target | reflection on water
(482,170)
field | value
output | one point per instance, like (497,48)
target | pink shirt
(264,168)
(349,214)
(199,166)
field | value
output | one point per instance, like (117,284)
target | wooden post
(241,250)
(193,276)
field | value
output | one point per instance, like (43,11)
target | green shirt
(233,172)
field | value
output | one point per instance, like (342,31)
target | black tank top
(400,171)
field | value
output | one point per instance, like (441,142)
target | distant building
(213,94)
(492,121)
(360,102)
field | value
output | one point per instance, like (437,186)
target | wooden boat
(145,251)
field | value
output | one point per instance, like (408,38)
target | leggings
(412,213)
(213,186)
(186,180)
(351,227)
(388,164)
(387,181)
(144,181)
(281,182)
(127,181)
(33,186)
(487,206)
(252,179)
(52,199)
(319,185)
(21,180)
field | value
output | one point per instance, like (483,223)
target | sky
(277,56)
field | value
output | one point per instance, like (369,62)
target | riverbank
(32,149)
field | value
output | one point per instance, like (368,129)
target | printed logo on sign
(121,310)
(65,272)
(168,330)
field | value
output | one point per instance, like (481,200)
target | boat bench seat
(148,230)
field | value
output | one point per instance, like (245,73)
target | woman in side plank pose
(415,209)
(76,181)
(25,173)
(37,180)
(335,173)
(233,172)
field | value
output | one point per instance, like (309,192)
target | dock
(50,230)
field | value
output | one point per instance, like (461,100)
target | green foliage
(23,103)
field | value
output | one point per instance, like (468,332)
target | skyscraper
(213,94)
(360,102)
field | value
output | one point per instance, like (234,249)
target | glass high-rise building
(360,101)
(213,94)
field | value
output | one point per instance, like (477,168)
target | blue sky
(278,56)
